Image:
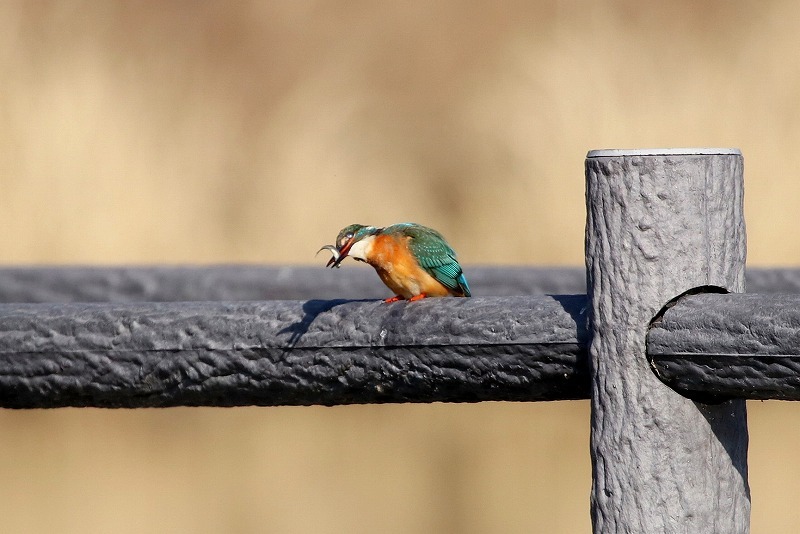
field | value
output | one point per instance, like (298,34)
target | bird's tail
(463,285)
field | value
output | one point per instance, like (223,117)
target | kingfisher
(414,261)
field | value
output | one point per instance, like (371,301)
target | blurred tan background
(221,132)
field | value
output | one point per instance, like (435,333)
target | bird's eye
(344,239)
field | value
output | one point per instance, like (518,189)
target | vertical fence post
(661,222)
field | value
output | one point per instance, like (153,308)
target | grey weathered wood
(262,282)
(771,280)
(657,226)
(292,352)
(185,283)
(729,346)
(256,282)
(707,346)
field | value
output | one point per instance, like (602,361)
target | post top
(616,152)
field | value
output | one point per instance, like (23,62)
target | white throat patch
(361,249)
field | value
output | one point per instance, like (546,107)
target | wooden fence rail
(709,346)
(729,346)
(292,352)
(256,282)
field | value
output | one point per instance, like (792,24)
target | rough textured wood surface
(658,226)
(292,353)
(729,346)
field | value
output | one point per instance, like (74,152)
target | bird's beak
(341,254)
(334,253)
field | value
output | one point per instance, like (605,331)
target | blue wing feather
(434,255)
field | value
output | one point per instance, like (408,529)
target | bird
(414,261)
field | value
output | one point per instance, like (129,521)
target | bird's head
(347,238)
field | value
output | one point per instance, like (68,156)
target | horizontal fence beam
(707,346)
(292,353)
(254,282)
(729,346)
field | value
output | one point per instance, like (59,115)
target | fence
(660,342)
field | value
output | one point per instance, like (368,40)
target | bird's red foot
(393,299)
(417,297)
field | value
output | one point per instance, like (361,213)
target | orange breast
(399,270)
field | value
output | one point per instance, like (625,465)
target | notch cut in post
(695,396)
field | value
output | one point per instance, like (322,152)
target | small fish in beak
(335,255)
